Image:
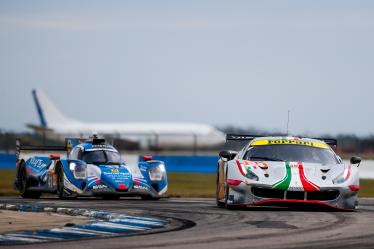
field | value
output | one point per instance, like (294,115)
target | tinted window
(291,153)
(101,157)
(113,157)
(74,153)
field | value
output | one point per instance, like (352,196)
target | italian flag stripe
(285,182)
(307,185)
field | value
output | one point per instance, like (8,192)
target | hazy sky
(219,62)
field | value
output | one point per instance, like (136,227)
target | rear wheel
(218,189)
(23,184)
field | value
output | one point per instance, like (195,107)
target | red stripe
(307,185)
(240,167)
(280,201)
(354,188)
(349,172)
(233,182)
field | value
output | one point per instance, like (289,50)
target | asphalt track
(200,224)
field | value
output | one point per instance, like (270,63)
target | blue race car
(86,168)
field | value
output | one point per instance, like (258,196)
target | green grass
(191,185)
(180,185)
(6,182)
(366,188)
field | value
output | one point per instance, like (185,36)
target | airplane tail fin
(48,113)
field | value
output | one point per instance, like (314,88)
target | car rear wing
(245,138)
(31,149)
(237,137)
(329,141)
(45,149)
(237,141)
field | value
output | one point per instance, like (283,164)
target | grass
(191,185)
(6,182)
(366,188)
(180,185)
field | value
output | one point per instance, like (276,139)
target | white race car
(286,171)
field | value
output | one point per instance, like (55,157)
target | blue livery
(86,168)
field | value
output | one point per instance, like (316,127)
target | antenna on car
(94,135)
(288,121)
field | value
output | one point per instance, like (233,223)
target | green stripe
(285,182)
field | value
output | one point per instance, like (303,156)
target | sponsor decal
(99,187)
(116,177)
(37,163)
(101,146)
(255,164)
(117,174)
(140,187)
(289,141)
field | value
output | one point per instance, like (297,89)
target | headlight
(156,173)
(79,170)
(344,176)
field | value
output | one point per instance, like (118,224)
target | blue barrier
(188,164)
(7,161)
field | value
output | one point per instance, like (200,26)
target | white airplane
(160,135)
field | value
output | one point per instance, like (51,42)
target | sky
(241,63)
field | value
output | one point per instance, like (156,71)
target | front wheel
(61,190)
(227,190)
(226,204)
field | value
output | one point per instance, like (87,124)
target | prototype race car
(86,168)
(285,171)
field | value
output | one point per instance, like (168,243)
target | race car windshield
(101,157)
(291,153)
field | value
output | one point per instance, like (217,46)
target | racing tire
(60,184)
(226,204)
(23,184)
(218,202)
(149,198)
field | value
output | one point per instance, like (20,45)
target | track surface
(220,228)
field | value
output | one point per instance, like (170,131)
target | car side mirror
(355,160)
(146,158)
(227,155)
(54,157)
